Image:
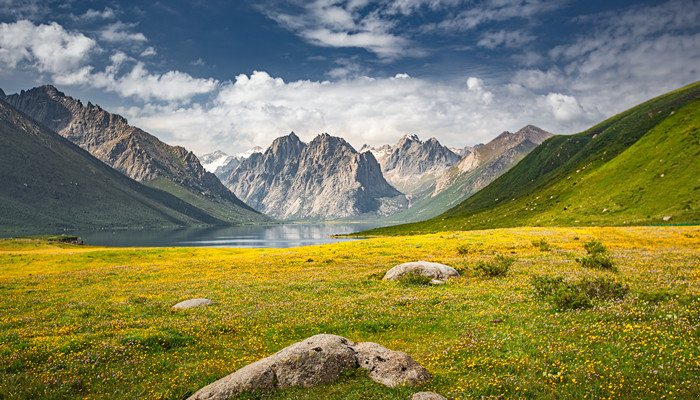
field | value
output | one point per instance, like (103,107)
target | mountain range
(324,179)
(640,167)
(133,152)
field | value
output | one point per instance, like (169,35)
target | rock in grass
(191,303)
(427,396)
(318,360)
(315,361)
(388,367)
(433,270)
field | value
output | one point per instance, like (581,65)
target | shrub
(598,257)
(543,244)
(499,267)
(576,295)
(568,298)
(415,279)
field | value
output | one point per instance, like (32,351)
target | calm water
(271,236)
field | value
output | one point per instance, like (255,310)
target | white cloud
(24,9)
(66,56)
(48,48)
(119,32)
(255,109)
(475,15)
(149,51)
(512,39)
(626,58)
(329,23)
(563,107)
(92,15)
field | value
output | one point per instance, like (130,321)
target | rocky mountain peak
(324,179)
(410,159)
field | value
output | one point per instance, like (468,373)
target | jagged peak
(410,137)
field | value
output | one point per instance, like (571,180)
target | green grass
(636,168)
(82,322)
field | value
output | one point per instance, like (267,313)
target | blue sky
(233,74)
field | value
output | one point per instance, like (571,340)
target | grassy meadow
(83,322)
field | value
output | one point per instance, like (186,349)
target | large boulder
(433,270)
(318,360)
(388,367)
(191,303)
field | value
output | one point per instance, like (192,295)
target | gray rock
(667,218)
(315,361)
(388,367)
(191,303)
(434,270)
(318,360)
(258,376)
(427,396)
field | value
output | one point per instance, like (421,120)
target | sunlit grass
(84,322)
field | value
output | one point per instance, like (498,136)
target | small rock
(667,218)
(427,396)
(605,210)
(388,367)
(191,303)
(437,282)
(430,269)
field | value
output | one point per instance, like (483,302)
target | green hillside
(641,167)
(49,184)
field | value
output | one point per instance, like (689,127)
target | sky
(230,75)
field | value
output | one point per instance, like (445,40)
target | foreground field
(84,322)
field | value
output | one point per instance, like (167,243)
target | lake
(250,236)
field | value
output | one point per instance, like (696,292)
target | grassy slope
(570,180)
(49,184)
(83,322)
(223,210)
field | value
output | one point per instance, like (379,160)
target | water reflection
(268,236)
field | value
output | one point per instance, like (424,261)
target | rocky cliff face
(492,159)
(324,179)
(125,148)
(408,163)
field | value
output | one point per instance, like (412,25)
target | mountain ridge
(324,179)
(50,185)
(133,151)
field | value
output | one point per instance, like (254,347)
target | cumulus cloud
(66,57)
(255,109)
(48,48)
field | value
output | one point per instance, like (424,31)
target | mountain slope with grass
(49,184)
(473,172)
(134,152)
(640,167)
